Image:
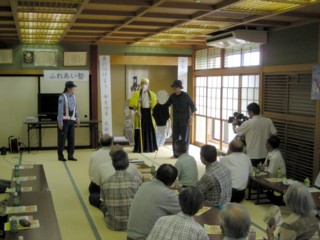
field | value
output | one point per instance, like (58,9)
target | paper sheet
(212,229)
(26,178)
(21,209)
(23,189)
(202,210)
(275,180)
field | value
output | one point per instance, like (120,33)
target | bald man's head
(236,145)
(106,140)
(235,221)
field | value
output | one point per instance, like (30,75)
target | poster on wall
(105,93)
(315,87)
(183,72)
(134,75)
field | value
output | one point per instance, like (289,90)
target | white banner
(105,93)
(66,75)
(183,72)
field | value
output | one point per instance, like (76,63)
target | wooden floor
(69,181)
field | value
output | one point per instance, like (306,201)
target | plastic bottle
(257,171)
(153,170)
(307,182)
(16,171)
(16,199)
(279,173)
(13,225)
(260,166)
(18,187)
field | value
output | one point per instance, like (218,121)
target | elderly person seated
(235,222)
(182,226)
(301,224)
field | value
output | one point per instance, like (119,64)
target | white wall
(19,99)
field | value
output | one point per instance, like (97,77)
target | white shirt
(276,161)
(145,99)
(107,170)
(98,158)
(240,167)
(257,130)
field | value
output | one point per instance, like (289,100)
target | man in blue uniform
(68,117)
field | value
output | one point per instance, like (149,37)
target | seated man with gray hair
(240,167)
(182,226)
(235,222)
(106,170)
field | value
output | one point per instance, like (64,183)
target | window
(201,61)
(232,57)
(217,98)
(251,55)
(208,58)
(245,56)
(220,94)
(214,58)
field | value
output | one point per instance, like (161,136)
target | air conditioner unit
(237,38)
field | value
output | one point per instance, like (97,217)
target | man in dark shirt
(183,110)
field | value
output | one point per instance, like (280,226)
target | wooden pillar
(316,158)
(94,94)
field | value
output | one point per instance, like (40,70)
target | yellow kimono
(135,103)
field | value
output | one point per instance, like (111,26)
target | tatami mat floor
(68,183)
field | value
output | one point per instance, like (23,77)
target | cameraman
(256,132)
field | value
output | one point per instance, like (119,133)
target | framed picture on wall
(133,77)
(74,59)
(45,58)
(6,56)
(28,57)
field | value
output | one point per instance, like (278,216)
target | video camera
(239,117)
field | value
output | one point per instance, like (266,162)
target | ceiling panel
(145,22)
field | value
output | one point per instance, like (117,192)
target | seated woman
(301,224)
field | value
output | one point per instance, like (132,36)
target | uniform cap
(70,84)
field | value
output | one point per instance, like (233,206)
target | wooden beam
(192,6)
(288,68)
(167,15)
(146,60)
(98,22)
(145,3)
(107,12)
